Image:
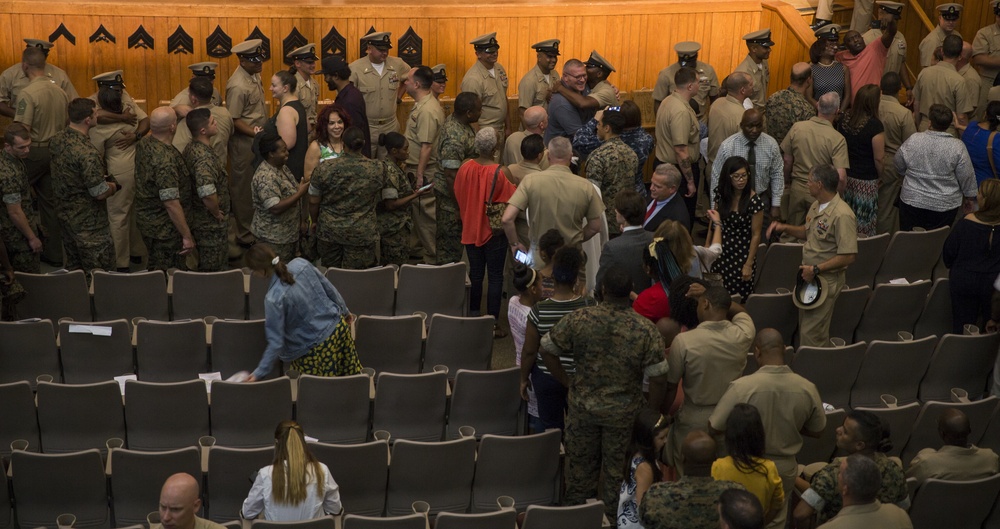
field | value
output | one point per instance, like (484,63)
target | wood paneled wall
(792,38)
(636,36)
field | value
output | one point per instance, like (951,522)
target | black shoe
(818,23)
(136,259)
(123,270)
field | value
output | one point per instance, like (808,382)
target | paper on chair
(311,439)
(899,281)
(121,381)
(208,378)
(96,330)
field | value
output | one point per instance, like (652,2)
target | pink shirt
(866,67)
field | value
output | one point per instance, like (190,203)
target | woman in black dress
(972,255)
(741,214)
(290,120)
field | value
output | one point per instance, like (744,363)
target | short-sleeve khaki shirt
(723,121)
(13,80)
(708,85)
(423,126)
(308,93)
(184,98)
(604,93)
(245,98)
(676,124)
(931,42)
(761,75)
(897,121)
(814,142)
(42,105)
(942,84)
(534,88)
(379,90)
(829,233)
(492,90)
(709,357)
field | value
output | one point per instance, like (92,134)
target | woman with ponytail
(306,321)
(295,486)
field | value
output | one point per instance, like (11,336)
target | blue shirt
(564,118)
(298,317)
(975,139)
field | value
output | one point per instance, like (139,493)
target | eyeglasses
(739,177)
(581,76)
(614,109)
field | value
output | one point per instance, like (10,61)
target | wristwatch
(816,270)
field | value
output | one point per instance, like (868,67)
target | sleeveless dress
(297,154)
(828,78)
(736,234)
(628,509)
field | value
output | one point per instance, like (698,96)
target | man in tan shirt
(13,80)
(534,120)
(488,79)
(708,81)
(245,101)
(958,459)
(181,103)
(942,84)
(726,113)
(759,46)
(422,129)
(677,132)
(971,76)
(986,55)
(947,21)
(199,96)
(535,86)
(304,61)
(379,77)
(897,121)
(42,107)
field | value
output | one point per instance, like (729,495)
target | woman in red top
(486,248)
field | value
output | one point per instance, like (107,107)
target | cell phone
(523,257)
(426,187)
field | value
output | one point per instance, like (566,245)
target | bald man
(789,106)
(958,459)
(971,77)
(535,120)
(163,194)
(179,502)
(689,503)
(789,407)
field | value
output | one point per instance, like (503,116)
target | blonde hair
(680,242)
(292,465)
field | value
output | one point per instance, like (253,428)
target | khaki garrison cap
(110,79)
(38,43)
(895,8)
(762,37)
(440,74)
(828,32)
(250,49)
(688,47)
(550,46)
(949,11)
(486,43)
(380,40)
(597,61)
(305,53)
(203,69)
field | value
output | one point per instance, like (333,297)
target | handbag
(494,210)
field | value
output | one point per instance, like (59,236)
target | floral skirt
(862,196)
(334,357)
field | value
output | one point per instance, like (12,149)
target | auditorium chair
(128,296)
(489,401)
(871,251)
(900,421)
(170,351)
(433,289)
(504,519)
(439,473)
(17,407)
(27,350)
(410,521)
(237,345)
(960,362)
(925,429)
(847,312)
(586,516)
(778,268)
(88,358)
(411,406)
(895,367)
(47,485)
(832,369)
(371,292)
(891,309)
(955,504)
(526,468)
(912,255)
(137,477)
(56,295)
(203,294)
(165,416)
(935,318)
(362,473)
(459,343)
(74,417)
(244,414)
(325,522)
(256,290)
(347,421)
(390,343)
(822,449)
(231,472)
(774,311)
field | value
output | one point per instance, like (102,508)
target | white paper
(311,439)
(208,378)
(96,330)
(899,281)
(121,381)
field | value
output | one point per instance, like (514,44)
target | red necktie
(649,212)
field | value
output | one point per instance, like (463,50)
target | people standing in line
(276,196)
(379,77)
(210,216)
(304,67)
(245,101)
(393,211)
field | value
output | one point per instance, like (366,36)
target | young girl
(745,463)
(548,243)
(529,289)
(393,214)
(649,434)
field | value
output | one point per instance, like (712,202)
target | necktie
(649,211)
(752,161)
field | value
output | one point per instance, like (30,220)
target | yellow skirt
(335,357)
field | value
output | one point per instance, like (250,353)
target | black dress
(972,255)
(297,155)
(737,231)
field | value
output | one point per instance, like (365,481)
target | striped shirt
(546,313)
(768,171)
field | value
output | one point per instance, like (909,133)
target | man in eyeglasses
(564,118)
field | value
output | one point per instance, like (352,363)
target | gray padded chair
(390,343)
(891,309)
(410,521)
(255,295)
(55,296)
(525,468)
(939,503)
(871,251)
(925,428)
(371,292)
(816,450)
(127,296)
(586,516)
(895,368)
(432,289)
(489,401)
(900,421)
(244,415)
(88,358)
(438,473)
(203,294)
(237,345)
(27,350)
(73,417)
(847,312)
(17,407)
(47,485)
(361,471)
(912,255)
(935,319)
(774,311)
(231,472)
(170,351)
(136,479)
(347,421)
(832,369)
(6,511)
(505,519)
(960,362)
(459,343)
(411,406)
(325,522)
(165,416)
(778,268)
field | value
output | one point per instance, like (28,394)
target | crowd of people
(600,260)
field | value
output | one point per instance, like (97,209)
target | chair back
(900,422)
(912,255)
(411,406)
(895,368)
(459,343)
(525,468)
(55,296)
(960,361)
(170,351)
(871,251)
(821,449)
(231,472)
(20,421)
(779,268)
(371,292)
(27,350)
(489,401)
(847,312)
(47,485)
(432,289)
(775,311)
(137,478)
(586,516)
(935,318)
(505,519)
(891,309)
(165,416)
(832,369)
(438,473)
(88,357)
(203,294)
(127,296)
(361,471)
(244,415)
(347,422)
(389,343)
(968,503)
(73,417)
(237,345)
(410,521)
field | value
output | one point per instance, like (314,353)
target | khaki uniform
(987,42)
(245,100)
(604,93)
(867,516)
(13,80)
(379,91)
(42,105)
(941,84)
(788,404)
(829,233)
(931,42)
(121,165)
(184,98)
(676,124)
(761,75)
(422,127)
(534,88)
(972,85)
(493,93)
(220,142)
(557,198)
(308,93)
(954,463)
(723,121)
(708,85)
(810,143)
(896,57)
(861,19)
(897,121)
(707,358)
(512,150)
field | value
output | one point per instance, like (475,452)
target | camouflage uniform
(685,504)
(77,177)
(160,175)
(456,143)
(605,392)
(825,484)
(348,187)
(281,232)
(14,189)
(394,226)
(612,168)
(784,109)
(209,178)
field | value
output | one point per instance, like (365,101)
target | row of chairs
(235,294)
(863,314)
(943,503)
(180,350)
(154,416)
(913,255)
(375,479)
